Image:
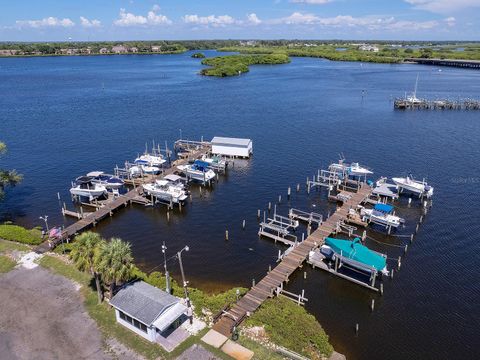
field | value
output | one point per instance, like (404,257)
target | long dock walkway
(107,209)
(281,273)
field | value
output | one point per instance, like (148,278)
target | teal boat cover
(356,251)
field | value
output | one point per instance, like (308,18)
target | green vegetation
(386,52)
(232,65)
(7,177)
(198,55)
(261,352)
(6,264)
(6,246)
(20,234)
(289,325)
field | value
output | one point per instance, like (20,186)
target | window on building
(132,321)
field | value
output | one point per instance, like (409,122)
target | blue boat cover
(201,165)
(356,251)
(384,208)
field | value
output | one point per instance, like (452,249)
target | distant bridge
(471,64)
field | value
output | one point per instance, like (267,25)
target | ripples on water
(65,116)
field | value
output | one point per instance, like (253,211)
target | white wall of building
(232,150)
(149,335)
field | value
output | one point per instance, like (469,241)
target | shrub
(20,234)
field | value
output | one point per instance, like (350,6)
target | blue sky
(57,20)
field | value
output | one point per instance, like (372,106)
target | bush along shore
(232,65)
(100,265)
(19,234)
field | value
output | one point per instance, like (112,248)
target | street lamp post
(45,218)
(189,306)
(167,275)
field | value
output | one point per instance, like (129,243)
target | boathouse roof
(217,140)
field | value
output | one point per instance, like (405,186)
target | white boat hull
(88,192)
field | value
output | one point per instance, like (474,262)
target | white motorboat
(164,190)
(139,170)
(176,180)
(150,160)
(381,214)
(215,162)
(84,187)
(107,180)
(415,186)
(355,169)
(199,171)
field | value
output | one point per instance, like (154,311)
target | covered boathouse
(232,147)
(147,310)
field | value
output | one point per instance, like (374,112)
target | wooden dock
(231,317)
(107,208)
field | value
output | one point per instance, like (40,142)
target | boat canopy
(162,182)
(83,180)
(173,177)
(385,208)
(95,173)
(201,165)
(356,251)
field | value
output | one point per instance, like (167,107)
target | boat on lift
(355,255)
(85,187)
(166,191)
(410,184)
(215,162)
(139,170)
(381,214)
(199,170)
(176,180)
(150,160)
(355,169)
(107,180)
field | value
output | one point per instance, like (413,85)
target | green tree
(115,262)
(7,177)
(84,255)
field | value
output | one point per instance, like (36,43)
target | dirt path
(42,317)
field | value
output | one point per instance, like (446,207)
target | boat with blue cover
(381,214)
(199,170)
(354,254)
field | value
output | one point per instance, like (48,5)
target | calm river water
(64,116)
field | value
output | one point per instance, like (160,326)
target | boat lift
(308,217)
(278,228)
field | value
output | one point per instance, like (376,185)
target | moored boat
(381,214)
(418,187)
(84,187)
(354,254)
(107,180)
(199,171)
(164,190)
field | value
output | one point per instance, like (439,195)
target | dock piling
(243,224)
(298,187)
(406,248)
(226,234)
(289,192)
(258,214)
(372,305)
(356,328)
(381,288)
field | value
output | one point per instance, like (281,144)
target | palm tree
(115,263)
(84,256)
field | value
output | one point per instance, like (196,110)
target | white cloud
(312,2)
(152,18)
(215,21)
(89,23)
(450,21)
(46,22)
(347,21)
(443,6)
(253,19)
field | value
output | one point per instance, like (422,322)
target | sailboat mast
(415,90)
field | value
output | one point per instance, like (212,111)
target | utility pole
(45,218)
(167,276)
(189,306)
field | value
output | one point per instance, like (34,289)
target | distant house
(147,310)
(8,52)
(87,50)
(69,51)
(366,47)
(156,48)
(103,51)
(119,49)
(134,49)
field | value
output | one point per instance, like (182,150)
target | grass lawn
(261,352)
(10,246)
(104,316)
(20,234)
(6,264)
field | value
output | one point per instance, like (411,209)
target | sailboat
(413,97)
(354,254)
